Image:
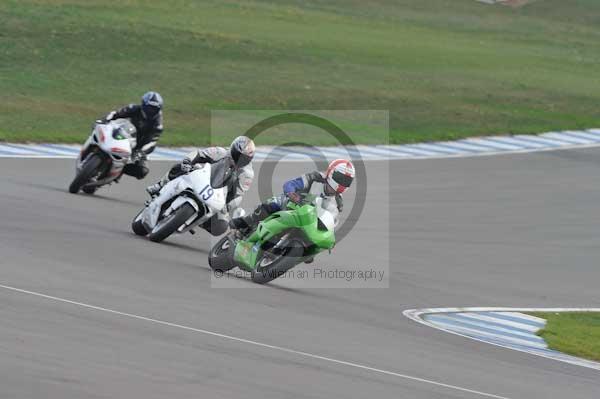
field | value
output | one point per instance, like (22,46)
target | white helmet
(242,151)
(339,175)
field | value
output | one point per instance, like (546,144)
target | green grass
(577,334)
(444,69)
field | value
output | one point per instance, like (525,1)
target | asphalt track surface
(512,230)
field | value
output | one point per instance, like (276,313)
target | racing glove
(294,197)
(138,156)
(186,166)
(110,116)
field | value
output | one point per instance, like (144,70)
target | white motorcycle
(186,201)
(104,155)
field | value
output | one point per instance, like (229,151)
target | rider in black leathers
(147,119)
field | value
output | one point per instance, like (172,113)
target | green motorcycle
(279,242)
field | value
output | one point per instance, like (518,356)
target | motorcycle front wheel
(168,225)
(271,265)
(220,256)
(88,170)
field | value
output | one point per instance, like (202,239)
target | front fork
(247,253)
(105,171)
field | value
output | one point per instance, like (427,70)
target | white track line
(255,343)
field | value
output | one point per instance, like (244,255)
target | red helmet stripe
(336,165)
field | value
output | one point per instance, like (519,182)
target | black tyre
(220,256)
(89,190)
(168,225)
(87,171)
(270,266)
(137,226)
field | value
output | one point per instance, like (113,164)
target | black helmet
(152,103)
(242,151)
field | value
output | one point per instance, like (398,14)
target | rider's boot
(240,225)
(155,188)
(248,223)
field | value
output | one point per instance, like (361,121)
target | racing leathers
(243,178)
(148,131)
(292,190)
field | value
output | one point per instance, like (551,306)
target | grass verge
(576,334)
(445,69)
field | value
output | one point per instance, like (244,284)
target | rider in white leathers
(241,152)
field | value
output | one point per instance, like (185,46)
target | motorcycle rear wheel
(89,190)
(137,226)
(269,269)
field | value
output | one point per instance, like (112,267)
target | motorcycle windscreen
(221,173)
